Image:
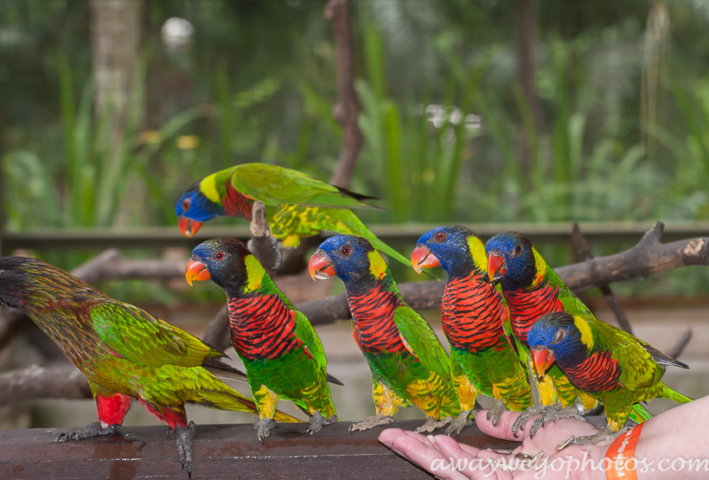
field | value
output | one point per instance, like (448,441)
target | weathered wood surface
(220,451)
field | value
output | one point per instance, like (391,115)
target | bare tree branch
(33,382)
(217,333)
(263,245)
(346,110)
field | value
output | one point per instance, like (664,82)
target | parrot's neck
(262,326)
(471,310)
(526,306)
(596,372)
(236,204)
(261,318)
(373,317)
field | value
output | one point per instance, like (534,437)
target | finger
(472,462)
(420,451)
(451,448)
(387,436)
(503,429)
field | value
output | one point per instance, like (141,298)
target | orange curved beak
(320,266)
(196,271)
(422,257)
(189,227)
(542,358)
(496,268)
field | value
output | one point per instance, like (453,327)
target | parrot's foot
(432,424)
(496,411)
(459,422)
(183,439)
(556,412)
(370,422)
(317,421)
(263,428)
(605,434)
(91,430)
(525,416)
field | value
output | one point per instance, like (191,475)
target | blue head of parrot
(221,260)
(446,247)
(194,208)
(510,260)
(346,256)
(554,337)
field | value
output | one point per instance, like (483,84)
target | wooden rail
(404,234)
(220,451)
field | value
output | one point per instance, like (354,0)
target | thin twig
(681,344)
(346,110)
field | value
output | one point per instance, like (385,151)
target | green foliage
(450,135)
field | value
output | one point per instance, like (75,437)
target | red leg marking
(171,416)
(111,410)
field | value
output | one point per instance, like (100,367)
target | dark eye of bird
(440,237)
(345,250)
(559,336)
(518,249)
(219,256)
(186,204)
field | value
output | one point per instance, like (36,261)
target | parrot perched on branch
(282,353)
(603,361)
(297,205)
(532,289)
(473,314)
(124,352)
(407,363)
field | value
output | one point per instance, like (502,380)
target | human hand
(535,458)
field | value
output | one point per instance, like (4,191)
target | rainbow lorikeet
(473,315)
(282,353)
(296,205)
(532,289)
(124,352)
(603,361)
(407,363)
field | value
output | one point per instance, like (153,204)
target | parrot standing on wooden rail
(473,317)
(532,289)
(283,355)
(124,352)
(296,205)
(605,362)
(406,360)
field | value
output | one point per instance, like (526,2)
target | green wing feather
(274,186)
(295,220)
(573,305)
(146,340)
(305,332)
(423,341)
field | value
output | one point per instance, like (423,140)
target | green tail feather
(676,396)
(638,414)
(228,399)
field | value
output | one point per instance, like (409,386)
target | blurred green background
(617,128)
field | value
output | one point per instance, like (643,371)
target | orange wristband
(619,454)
